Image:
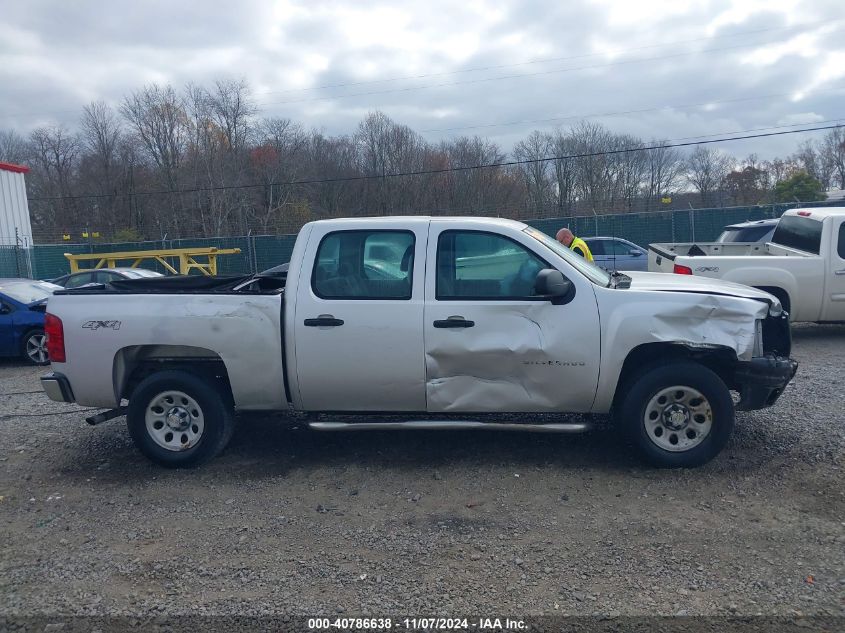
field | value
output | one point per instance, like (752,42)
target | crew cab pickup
(803,265)
(434,321)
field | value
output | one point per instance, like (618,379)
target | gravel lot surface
(427,523)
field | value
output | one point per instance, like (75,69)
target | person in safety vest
(576,244)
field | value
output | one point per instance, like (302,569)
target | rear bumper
(57,387)
(761,380)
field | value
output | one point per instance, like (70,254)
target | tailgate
(660,259)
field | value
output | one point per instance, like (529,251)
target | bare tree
(536,149)
(833,155)
(101,135)
(55,152)
(385,147)
(12,147)
(276,160)
(706,170)
(232,109)
(807,157)
(158,118)
(630,168)
(594,165)
(664,168)
(565,172)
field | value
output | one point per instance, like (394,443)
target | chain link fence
(259,252)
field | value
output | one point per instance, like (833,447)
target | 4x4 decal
(97,325)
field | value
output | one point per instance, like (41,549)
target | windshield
(28,291)
(589,270)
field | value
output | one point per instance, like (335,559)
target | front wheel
(178,419)
(35,347)
(679,415)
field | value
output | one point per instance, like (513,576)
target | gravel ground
(427,523)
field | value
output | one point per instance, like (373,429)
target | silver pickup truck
(447,317)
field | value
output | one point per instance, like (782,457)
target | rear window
(804,234)
(749,234)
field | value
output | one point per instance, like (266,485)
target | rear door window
(364,265)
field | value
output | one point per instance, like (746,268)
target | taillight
(804,214)
(682,270)
(55,338)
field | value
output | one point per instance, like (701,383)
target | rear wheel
(679,415)
(35,347)
(178,419)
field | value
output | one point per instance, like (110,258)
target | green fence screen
(259,252)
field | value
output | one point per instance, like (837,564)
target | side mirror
(4,309)
(551,284)
(635,252)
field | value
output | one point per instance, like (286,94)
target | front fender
(691,321)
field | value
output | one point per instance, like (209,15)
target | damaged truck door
(491,343)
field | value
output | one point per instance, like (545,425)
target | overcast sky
(445,68)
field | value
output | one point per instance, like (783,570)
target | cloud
(440,64)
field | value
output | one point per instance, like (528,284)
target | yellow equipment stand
(187,259)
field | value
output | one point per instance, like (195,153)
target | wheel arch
(781,293)
(641,359)
(134,363)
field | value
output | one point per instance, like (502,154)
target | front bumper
(761,380)
(57,387)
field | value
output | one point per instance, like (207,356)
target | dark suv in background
(753,231)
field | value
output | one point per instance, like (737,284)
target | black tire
(217,415)
(35,338)
(631,415)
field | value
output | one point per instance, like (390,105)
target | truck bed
(661,256)
(112,332)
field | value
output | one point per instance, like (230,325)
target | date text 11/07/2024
(416,624)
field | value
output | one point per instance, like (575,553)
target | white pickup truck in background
(803,265)
(445,317)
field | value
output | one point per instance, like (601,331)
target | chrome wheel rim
(678,418)
(174,420)
(36,348)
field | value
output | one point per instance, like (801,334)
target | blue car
(614,253)
(23,303)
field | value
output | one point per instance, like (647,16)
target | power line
(428,172)
(620,112)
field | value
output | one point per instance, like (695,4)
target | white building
(15,228)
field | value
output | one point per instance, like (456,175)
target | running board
(450,425)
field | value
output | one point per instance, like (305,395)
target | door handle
(839,272)
(324,320)
(454,322)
